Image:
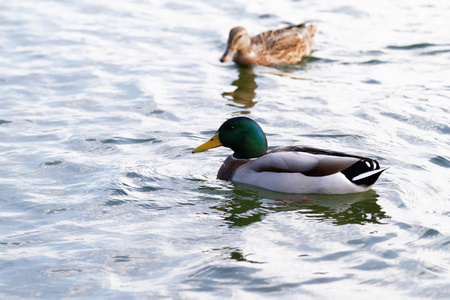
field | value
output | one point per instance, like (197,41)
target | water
(103,102)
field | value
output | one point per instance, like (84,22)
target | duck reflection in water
(244,94)
(247,205)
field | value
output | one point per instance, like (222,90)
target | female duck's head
(238,40)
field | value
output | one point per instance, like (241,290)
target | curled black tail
(364,172)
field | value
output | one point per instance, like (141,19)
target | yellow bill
(212,143)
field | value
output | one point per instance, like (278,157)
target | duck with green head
(290,169)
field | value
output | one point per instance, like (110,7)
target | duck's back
(297,169)
(284,46)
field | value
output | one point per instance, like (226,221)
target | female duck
(291,169)
(285,46)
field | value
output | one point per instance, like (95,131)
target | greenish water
(103,102)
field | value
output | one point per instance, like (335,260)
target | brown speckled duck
(286,46)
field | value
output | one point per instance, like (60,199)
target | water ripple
(102,104)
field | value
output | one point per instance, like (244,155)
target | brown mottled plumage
(285,46)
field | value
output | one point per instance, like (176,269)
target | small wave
(437,52)
(126,141)
(411,47)
(440,161)
(4,122)
(373,62)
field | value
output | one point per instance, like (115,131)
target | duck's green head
(242,135)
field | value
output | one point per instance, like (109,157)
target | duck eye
(231,127)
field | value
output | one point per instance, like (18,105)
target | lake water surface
(102,103)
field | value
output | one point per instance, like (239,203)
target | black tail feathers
(364,172)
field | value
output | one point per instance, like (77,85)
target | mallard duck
(290,169)
(285,46)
